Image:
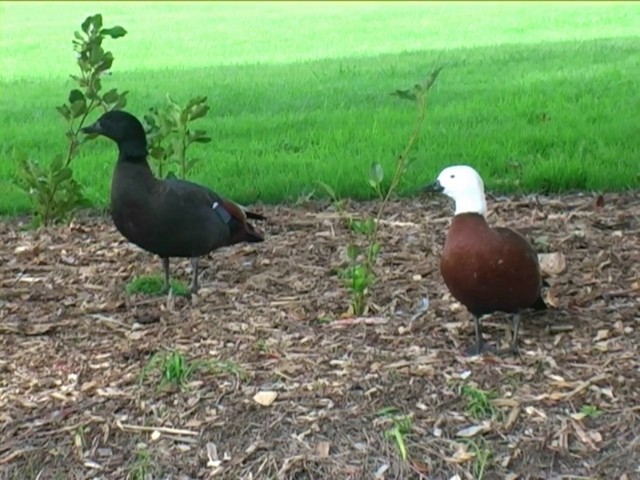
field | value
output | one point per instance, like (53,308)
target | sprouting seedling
(401,426)
(359,276)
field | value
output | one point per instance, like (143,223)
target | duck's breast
(489,269)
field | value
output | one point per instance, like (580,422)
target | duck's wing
(192,195)
(199,195)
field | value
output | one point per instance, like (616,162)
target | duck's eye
(452,176)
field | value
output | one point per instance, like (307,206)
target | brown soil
(73,403)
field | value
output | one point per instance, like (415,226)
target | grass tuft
(175,370)
(479,403)
(152,285)
(401,426)
(142,467)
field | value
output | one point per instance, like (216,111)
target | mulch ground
(271,317)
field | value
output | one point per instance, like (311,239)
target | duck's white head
(464,185)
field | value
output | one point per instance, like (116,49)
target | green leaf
(97,21)
(202,140)
(376,174)
(198,111)
(199,101)
(122,101)
(369,225)
(96,55)
(432,79)
(157,152)
(353,251)
(64,111)
(106,63)
(405,95)
(63,175)
(79,80)
(84,66)
(150,120)
(113,32)
(79,37)
(112,96)
(328,189)
(85,25)
(79,108)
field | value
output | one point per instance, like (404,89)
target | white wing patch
(215,205)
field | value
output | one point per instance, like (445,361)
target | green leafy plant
(170,135)
(53,190)
(590,411)
(153,284)
(401,426)
(364,248)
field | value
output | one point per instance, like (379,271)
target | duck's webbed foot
(479,347)
(515,330)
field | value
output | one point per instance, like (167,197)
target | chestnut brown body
(490,269)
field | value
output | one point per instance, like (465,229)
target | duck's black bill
(435,187)
(94,128)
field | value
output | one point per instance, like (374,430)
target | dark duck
(171,217)
(486,269)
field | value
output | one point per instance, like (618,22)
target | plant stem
(399,170)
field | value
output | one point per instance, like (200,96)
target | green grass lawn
(537,96)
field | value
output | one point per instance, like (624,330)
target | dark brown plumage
(486,269)
(172,217)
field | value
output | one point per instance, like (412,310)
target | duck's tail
(254,216)
(539,304)
(253,234)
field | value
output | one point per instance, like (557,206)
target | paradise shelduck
(486,269)
(171,217)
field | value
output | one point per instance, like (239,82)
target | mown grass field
(537,96)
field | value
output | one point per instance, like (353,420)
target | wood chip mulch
(270,320)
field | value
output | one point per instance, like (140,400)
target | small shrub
(170,135)
(53,190)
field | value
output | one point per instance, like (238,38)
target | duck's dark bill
(433,187)
(94,128)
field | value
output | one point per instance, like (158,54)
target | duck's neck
(136,167)
(133,151)
(472,203)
